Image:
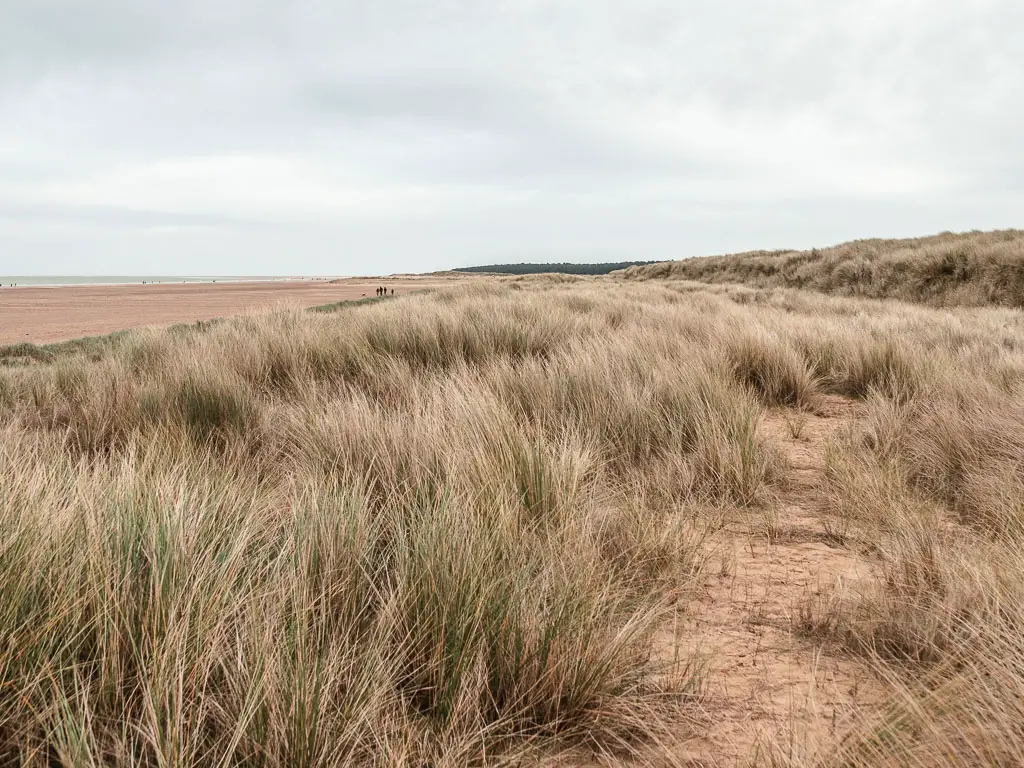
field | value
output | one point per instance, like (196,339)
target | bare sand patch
(767,685)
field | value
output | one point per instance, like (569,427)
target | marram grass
(446,529)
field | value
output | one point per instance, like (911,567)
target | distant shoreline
(69,281)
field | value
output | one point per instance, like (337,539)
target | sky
(335,137)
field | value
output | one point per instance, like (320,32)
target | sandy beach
(46,314)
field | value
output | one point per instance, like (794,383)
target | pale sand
(767,684)
(46,314)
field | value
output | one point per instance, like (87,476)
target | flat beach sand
(46,314)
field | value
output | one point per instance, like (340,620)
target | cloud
(420,135)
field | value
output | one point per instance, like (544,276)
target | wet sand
(46,314)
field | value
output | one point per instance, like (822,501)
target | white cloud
(315,135)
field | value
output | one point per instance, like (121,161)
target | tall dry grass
(433,531)
(444,529)
(966,269)
(930,483)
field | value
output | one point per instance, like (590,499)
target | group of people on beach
(382,291)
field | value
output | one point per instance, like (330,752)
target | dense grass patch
(447,529)
(970,269)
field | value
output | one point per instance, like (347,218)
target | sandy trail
(766,684)
(45,314)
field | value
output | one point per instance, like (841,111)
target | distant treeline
(563,267)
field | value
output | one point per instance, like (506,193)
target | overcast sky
(372,136)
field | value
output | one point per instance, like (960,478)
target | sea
(53,280)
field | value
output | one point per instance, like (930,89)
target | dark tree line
(562,267)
